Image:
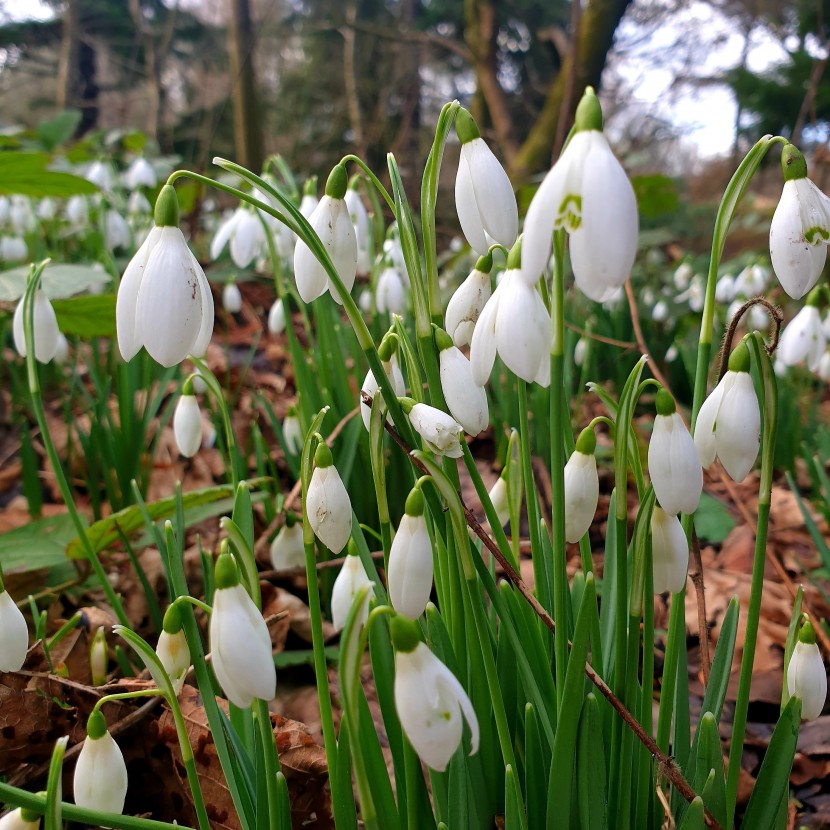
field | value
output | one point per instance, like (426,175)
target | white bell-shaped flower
(20,819)
(13,248)
(804,339)
(806,674)
(331,221)
(725,289)
(410,570)
(276,317)
(500,499)
(287,549)
(44,328)
(14,634)
(673,463)
(21,216)
(172,649)
(669,552)
(116,231)
(466,400)
(484,196)
(138,204)
(77,211)
(429,699)
(390,294)
(187,422)
(682,274)
(231,298)
(164,300)
(800,229)
(440,432)
(362,232)
(581,350)
(327,503)
(581,487)
(101,175)
(140,173)
(47,209)
(100,781)
(468,301)
(588,193)
(388,353)
(728,425)
(240,645)
(292,431)
(515,325)
(246,236)
(350,580)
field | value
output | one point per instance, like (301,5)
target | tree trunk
(67,87)
(599,22)
(246,116)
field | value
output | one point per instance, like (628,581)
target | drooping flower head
(100,781)
(669,551)
(14,634)
(172,648)
(484,196)
(468,301)
(351,579)
(800,229)
(581,486)
(287,549)
(45,330)
(588,193)
(440,431)
(466,400)
(806,674)
(804,338)
(410,560)
(388,354)
(164,300)
(327,503)
(243,230)
(187,422)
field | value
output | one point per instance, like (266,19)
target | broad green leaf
(39,544)
(713,521)
(27,174)
(90,315)
(105,532)
(59,280)
(58,130)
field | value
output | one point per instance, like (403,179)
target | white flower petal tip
(350,580)
(14,635)
(287,550)
(240,645)
(329,508)
(669,552)
(803,340)
(430,703)
(232,298)
(44,329)
(807,679)
(441,432)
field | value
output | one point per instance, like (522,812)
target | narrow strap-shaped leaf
(512,806)
(590,768)
(693,820)
(536,770)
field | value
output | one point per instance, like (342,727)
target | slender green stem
(372,178)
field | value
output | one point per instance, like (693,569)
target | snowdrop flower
(429,699)
(100,781)
(276,317)
(21,216)
(725,289)
(330,221)
(44,328)
(100,174)
(758,318)
(164,300)
(13,248)
(390,295)
(20,819)
(243,230)
(138,205)
(500,498)
(751,281)
(669,552)
(660,312)
(292,431)
(231,298)
(309,201)
(581,487)
(172,648)
(806,675)
(440,432)
(116,231)
(140,173)
(46,209)
(240,645)
(484,196)
(682,275)
(14,634)
(468,301)
(673,463)
(410,561)
(393,251)
(360,220)
(350,580)
(803,338)
(800,229)
(729,422)
(466,400)
(187,422)
(388,354)
(287,549)
(327,503)
(672,353)
(515,325)
(588,193)
(77,211)
(581,351)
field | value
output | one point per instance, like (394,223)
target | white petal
(247,239)
(187,426)
(329,508)
(223,234)
(199,347)
(494,195)
(669,551)
(581,495)
(350,580)
(126,304)
(738,428)
(410,570)
(44,328)
(466,400)
(483,342)
(287,549)
(522,329)
(466,206)
(807,679)
(705,442)
(342,246)
(674,466)
(14,635)
(100,781)
(465,307)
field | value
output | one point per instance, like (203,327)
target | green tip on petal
(291,518)
(514,258)
(415,502)
(407,404)
(739,359)
(96,726)
(404,633)
(664,403)
(187,386)
(337,183)
(323,456)
(225,572)
(807,635)
(587,441)
(388,346)
(172,622)
(465,126)
(442,339)
(291,411)
(589,112)
(351,549)
(485,263)
(793,163)
(166,213)
(310,187)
